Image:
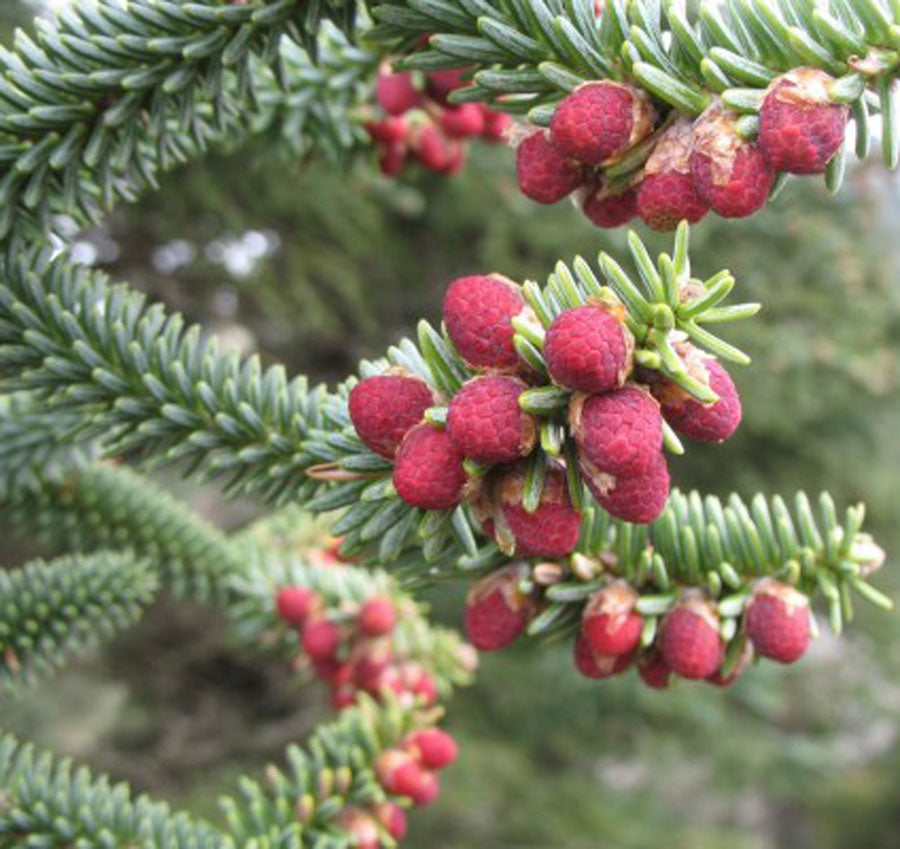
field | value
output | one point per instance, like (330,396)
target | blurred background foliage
(317,267)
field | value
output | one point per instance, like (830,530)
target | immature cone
(666,194)
(601,120)
(654,671)
(428,790)
(549,531)
(377,617)
(486,422)
(439,84)
(393,818)
(589,348)
(294,604)
(703,422)
(496,125)
(594,665)
(477,312)
(729,173)
(342,697)
(360,827)
(543,173)
(800,127)
(398,773)
(383,408)
(320,639)
(396,93)
(370,665)
(618,433)
(392,159)
(428,469)
(496,609)
(609,624)
(777,621)
(607,209)
(415,680)
(390,130)
(434,150)
(639,499)
(689,638)
(462,121)
(434,748)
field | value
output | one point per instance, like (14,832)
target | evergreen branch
(300,805)
(342,590)
(141,380)
(663,307)
(47,610)
(100,506)
(525,60)
(105,98)
(103,506)
(722,548)
(34,447)
(49,802)
(317,105)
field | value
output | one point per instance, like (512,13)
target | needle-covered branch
(49,610)
(102,98)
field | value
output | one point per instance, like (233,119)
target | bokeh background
(317,266)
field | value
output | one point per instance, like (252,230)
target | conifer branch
(48,610)
(531,57)
(316,105)
(104,98)
(722,547)
(34,445)
(99,507)
(110,507)
(45,801)
(148,382)
(298,804)
(140,379)
(49,802)
(342,589)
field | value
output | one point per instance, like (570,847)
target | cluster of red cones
(615,418)
(683,168)
(408,771)
(687,641)
(420,125)
(354,651)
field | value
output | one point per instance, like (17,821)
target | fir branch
(722,547)
(524,60)
(316,105)
(104,98)
(48,610)
(109,506)
(299,805)
(342,589)
(34,447)
(141,380)
(100,506)
(49,802)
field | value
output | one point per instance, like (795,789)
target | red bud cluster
(615,419)
(614,635)
(686,167)
(420,125)
(354,650)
